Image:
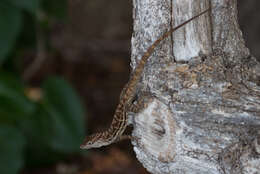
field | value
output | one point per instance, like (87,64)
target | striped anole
(120,120)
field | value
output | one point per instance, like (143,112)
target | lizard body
(120,120)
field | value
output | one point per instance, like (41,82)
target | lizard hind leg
(140,103)
(124,137)
(137,106)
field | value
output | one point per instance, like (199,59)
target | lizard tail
(135,77)
(150,50)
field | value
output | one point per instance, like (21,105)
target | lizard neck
(119,121)
(116,129)
(112,134)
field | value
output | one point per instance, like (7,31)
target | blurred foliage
(37,125)
(18,19)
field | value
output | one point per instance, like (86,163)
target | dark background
(90,49)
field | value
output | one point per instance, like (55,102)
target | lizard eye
(90,142)
(87,142)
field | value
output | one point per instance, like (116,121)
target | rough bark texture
(199,97)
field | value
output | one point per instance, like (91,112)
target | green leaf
(10,26)
(12,144)
(14,105)
(66,111)
(39,128)
(11,81)
(57,8)
(28,5)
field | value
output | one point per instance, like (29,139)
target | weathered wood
(201,108)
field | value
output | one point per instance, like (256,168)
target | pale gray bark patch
(226,33)
(193,38)
(151,20)
(203,115)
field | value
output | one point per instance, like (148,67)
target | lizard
(120,120)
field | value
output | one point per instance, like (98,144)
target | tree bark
(199,97)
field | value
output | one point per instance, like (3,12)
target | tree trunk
(199,97)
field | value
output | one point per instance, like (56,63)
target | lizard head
(94,141)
